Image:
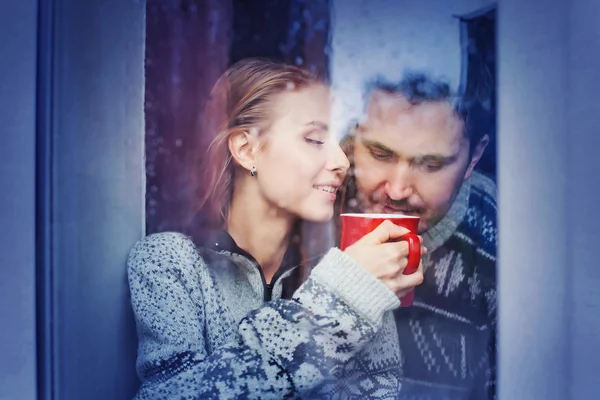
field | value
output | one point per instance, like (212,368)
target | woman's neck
(260,229)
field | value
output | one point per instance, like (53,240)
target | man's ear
(243,147)
(477,153)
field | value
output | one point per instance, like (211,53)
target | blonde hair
(240,100)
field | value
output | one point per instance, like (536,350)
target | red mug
(355,226)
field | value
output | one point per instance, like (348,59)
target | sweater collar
(437,235)
(221,241)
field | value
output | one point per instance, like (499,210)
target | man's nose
(400,183)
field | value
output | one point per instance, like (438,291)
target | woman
(206,324)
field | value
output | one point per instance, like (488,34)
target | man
(415,154)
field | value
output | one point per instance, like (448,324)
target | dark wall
(187,49)
(295,31)
(266,28)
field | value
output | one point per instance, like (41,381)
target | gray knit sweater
(206,331)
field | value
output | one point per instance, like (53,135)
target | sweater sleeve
(285,347)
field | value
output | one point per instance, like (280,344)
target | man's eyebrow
(436,157)
(440,158)
(380,146)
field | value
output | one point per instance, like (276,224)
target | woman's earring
(253,171)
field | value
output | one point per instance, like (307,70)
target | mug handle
(414,252)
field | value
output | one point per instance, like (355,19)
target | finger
(395,254)
(396,267)
(392,259)
(398,232)
(385,232)
(423,250)
(391,269)
(418,275)
(405,283)
(395,250)
(421,268)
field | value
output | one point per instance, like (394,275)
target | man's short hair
(418,88)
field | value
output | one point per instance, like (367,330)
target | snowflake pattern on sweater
(205,332)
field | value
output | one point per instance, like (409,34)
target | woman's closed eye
(313,141)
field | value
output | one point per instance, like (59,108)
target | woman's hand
(386,259)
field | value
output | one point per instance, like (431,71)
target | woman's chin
(316,215)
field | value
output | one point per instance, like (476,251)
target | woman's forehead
(302,106)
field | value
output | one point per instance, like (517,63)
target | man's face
(410,159)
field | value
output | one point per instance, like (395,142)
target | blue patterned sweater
(444,346)
(206,330)
(448,338)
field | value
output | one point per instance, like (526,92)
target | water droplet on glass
(353,203)
(254,131)
(178,142)
(290,86)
